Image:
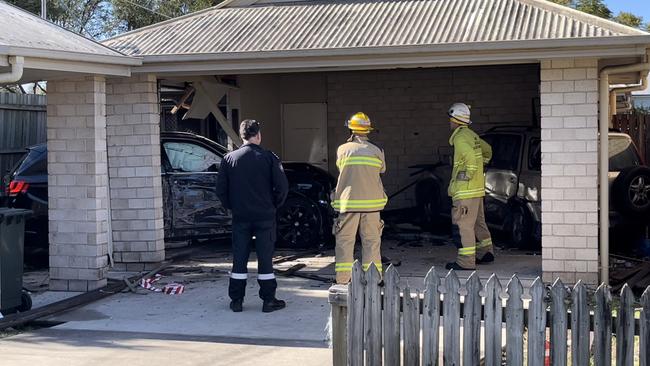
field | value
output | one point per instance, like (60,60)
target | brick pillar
(77,183)
(133,121)
(569,109)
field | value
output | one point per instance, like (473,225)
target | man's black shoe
(273,305)
(456,267)
(237,305)
(488,258)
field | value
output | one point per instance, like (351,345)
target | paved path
(53,347)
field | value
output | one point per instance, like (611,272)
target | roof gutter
(643,84)
(604,121)
(373,51)
(16,73)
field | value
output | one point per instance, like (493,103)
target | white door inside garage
(304,133)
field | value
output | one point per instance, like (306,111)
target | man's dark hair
(249,128)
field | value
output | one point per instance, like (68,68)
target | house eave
(395,57)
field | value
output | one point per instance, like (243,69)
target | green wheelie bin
(12,236)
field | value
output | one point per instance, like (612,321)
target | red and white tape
(174,289)
(148,283)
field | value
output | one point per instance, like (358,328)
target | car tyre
(427,196)
(631,192)
(299,224)
(521,228)
(25,302)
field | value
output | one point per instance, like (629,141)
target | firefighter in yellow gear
(359,197)
(467,190)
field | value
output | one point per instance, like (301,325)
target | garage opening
(303,116)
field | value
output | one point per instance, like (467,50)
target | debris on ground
(633,271)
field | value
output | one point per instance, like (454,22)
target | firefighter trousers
(470,231)
(262,235)
(370,226)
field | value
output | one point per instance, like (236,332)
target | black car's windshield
(622,153)
(505,150)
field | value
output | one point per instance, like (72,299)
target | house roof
(290,27)
(24,34)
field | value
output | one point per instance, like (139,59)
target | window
(506,151)
(535,155)
(622,153)
(34,163)
(191,158)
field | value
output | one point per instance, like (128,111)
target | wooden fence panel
(411,328)
(373,320)
(625,329)
(603,327)
(431,319)
(537,324)
(367,335)
(451,321)
(579,326)
(514,323)
(493,322)
(558,324)
(22,124)
(356,298)
(636,125)
(644,343)
(472,321)
(392,314)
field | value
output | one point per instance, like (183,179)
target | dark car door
(192,208)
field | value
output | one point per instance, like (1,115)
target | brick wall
(409,109)
(133,122)
(569,109)
(77,184)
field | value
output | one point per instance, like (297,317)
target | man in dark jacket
(253,185)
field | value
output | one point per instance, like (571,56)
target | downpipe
(604,121)
(16,73)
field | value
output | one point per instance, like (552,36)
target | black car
(190,165)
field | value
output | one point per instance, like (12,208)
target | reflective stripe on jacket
(359,187)
(471,153)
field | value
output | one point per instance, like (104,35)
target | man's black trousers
(262,235)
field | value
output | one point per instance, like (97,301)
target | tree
(129,15)
(595,7)
(99,19)
(629,19)
(85,17)
(564,2)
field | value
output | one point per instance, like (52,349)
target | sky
(637,7)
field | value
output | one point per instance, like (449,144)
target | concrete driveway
(196,327)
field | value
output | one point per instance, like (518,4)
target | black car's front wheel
(631,192)
(299,223)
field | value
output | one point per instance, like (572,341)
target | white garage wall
(409,109)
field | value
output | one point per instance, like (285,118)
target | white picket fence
(374,324)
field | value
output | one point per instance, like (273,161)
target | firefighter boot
(237,305)
(273,305)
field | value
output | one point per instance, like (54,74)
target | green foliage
(595,7)
(564,2)
(130,14)
(100,19)
(86,17)
(629,19)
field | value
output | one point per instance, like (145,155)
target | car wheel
(428,204)
(25,302)
(521,228)
(631,192)
(299,224)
